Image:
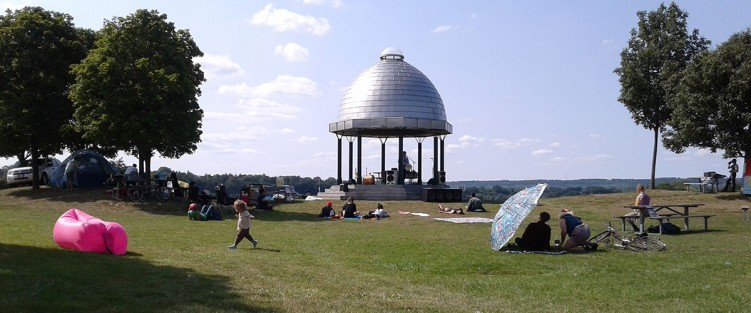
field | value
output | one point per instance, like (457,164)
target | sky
(527,85)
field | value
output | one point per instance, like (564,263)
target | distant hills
(625,185)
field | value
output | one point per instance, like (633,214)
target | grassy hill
(402,263)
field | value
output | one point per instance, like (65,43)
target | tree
(651,67)
(37,48)
(137,89)
(713,106)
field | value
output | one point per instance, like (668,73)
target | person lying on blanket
(448,210)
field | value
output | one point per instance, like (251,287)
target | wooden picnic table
(680,210)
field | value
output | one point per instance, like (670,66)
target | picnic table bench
(673,214)
(667,218)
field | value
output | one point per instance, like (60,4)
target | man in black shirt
(536,236)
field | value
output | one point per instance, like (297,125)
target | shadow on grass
(62,195)
(55,280)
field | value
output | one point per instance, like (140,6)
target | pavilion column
(400,179)
(383,160)
(359,160)
(338,159)
(435,159)
(443,170)
(419,159)
(351,156)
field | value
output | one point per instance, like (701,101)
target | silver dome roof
(391,98)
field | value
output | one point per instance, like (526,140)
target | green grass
(402,263)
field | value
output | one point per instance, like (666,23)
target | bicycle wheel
(135,193)
(162,193)
(649,243)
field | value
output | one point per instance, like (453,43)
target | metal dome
(391,98)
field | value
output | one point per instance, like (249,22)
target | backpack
(667,228)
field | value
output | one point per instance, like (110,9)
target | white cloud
(506,144)
(287,131)
(292,52)
(541,152)
(282,20)
(471,141)
(306,139)
(219,66)
(264,108)
(441,29)
(555,145)
(596,136)
(334,3)
(558,159)
(283,84)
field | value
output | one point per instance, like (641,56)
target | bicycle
(139,191)
(611,237)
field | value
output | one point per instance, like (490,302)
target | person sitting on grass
(349,210)
(327,211)
(448,210)
(379,213)
(536,236)
(475,204)
(207,213)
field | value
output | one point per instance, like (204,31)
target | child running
(243,224)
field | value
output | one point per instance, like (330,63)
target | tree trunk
(34,168)
(654,159)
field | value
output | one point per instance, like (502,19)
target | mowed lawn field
(402,263)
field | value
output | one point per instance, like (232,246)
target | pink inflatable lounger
(76,230)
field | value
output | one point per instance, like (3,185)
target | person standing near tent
(131,173)
(70,172)
(573,227)
(733,167)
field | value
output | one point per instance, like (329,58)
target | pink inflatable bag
(76,230)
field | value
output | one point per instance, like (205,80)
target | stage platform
(393,192)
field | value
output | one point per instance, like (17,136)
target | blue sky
(528,85)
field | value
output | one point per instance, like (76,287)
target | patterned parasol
(512,213)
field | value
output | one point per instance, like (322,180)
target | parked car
(22,174)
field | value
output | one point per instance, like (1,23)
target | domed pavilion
(392,100)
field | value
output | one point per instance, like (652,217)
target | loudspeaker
(455,195)
(442,177)
(442,195)
(390,177)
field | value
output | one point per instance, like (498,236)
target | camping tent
(93,170)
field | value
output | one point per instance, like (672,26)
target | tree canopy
(137,89)
(712,108)
(651,66)
(37,48)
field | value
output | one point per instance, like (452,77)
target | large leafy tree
(658,51)
(37,48)
(137,89)
(712,108)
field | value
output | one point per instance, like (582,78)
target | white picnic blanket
(462,220)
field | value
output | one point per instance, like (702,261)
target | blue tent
(93,170)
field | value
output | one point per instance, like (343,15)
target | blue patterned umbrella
(512,213)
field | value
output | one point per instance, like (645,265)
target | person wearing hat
(733,167)
(327,211)
(573,227)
